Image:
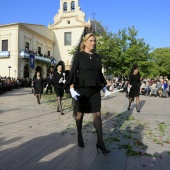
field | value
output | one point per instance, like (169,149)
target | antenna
(94,21)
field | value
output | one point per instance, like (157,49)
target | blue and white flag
(32,60)
(52,62)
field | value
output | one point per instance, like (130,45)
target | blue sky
(150,17)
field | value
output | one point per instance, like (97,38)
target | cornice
(35,33)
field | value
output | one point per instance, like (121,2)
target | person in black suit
(49,84)
(85,81)
(38,86)
(58,81)
(134,81)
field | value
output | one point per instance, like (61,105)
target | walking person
(58,81)
(85,81)
(134,81)
(38,86)
(49,84)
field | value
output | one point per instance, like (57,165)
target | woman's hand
(74,94)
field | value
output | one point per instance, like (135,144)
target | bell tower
(68,27)
(69,5)
(71,10)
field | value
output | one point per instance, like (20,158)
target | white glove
(129,87)
(74,94)
(61,80)
(64,81)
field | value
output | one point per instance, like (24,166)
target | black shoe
(128,108)
(137,109)
(102,148)
(58,110)
(62,113)
(80,142)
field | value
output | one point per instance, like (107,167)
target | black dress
(134,81)
(58,87)
(87,77)
(38,85)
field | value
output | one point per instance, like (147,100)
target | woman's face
(90,43)
(59,68)
(38,74)
(136,71)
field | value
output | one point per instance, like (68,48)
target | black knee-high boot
(79,128)
(100,143)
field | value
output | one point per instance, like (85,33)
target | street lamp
(9,70)
(15,72)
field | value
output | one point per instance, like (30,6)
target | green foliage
(121,50)
(160,60)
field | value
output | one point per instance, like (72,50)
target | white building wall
(11,34)
(61,51)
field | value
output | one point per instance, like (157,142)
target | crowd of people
(8,83)
(158,87)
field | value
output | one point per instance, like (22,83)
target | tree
(120,51)
(160,59)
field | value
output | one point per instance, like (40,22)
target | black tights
(137,102)
(97,122)
(38,97)
(59,105)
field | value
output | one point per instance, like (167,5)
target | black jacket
(56,79)
(86,71)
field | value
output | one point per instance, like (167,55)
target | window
(48,53)
(27,46)
(4,45)
(65,6)
(72,6)
(67,38)
(39,51)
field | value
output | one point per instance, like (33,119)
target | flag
(32,60)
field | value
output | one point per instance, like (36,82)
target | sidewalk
(36,137)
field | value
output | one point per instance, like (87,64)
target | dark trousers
(49,88)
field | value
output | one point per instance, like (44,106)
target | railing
(24,54)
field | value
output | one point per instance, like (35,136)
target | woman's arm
(73,76)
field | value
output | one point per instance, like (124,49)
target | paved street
(36,137)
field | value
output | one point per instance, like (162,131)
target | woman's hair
(86,37)
(134,67)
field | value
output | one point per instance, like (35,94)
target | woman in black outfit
(58,81)
(134,81)
(85,81)
(38,86)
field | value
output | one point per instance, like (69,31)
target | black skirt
(38,90)
(59,91)
(134,92)
(89,100)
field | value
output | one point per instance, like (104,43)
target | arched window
(65,6)
(72,6)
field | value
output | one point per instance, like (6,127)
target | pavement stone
(36,137)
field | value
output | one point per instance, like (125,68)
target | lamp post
(9,70)
(15,72)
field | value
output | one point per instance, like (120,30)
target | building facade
(26,48)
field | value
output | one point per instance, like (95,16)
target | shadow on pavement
(123,134)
